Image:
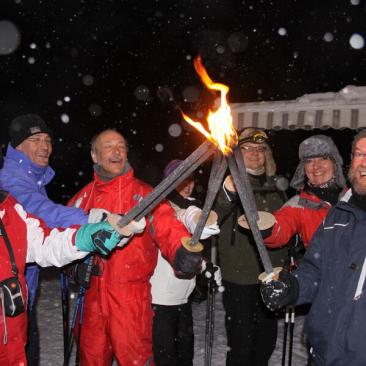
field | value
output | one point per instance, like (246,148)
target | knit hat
(171,166)
(26,125)
(259,137)
(317,146)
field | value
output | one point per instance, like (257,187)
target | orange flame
(220,121)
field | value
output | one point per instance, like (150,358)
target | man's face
(38,148)
(357,170)
(319,170)
(110,153)
(253,155)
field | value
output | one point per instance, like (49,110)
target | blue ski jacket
(26,181)
(332,278)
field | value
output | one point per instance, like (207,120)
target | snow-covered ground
(50,323)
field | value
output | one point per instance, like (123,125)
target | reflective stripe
(361,282)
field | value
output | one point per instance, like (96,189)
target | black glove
(284,291)
(187,264)
(81,274)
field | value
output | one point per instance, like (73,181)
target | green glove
(98,237)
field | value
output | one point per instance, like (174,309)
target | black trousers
(251,329)
(32,348)
(173,343)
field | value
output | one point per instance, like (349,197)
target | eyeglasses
(251,149)
(358,155)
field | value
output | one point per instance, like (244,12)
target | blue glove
(100,237)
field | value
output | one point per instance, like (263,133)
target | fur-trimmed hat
(259,137)
(316,146)
(26,125)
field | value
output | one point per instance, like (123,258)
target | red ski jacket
(117,314)
(302,214)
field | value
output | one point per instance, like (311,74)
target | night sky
(87,65)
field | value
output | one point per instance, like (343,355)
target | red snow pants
(117,322)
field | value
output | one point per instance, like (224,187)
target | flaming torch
(223,134)
(221,141)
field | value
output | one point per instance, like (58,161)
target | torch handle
(244,189)
(147,204)
(217,175)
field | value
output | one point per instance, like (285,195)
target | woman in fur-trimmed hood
(319,179)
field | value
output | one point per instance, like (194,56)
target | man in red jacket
(117,318)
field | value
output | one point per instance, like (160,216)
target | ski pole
(72,327)
(64,282)
(210,315)
(285,331)
(78,310)
(292,326)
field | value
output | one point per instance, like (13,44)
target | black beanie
(26,125)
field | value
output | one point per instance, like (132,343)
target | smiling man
(117,313)
(332,276)
(25,175)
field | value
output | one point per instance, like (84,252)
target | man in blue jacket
(25,175)
(332,276)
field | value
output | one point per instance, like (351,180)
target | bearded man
(332,276)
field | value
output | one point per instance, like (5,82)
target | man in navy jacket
(332,276)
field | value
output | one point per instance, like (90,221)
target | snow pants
(117,322)
(251,328)
(13,352)
(173,342)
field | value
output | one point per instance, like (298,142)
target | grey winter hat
(316,146)
(26,125)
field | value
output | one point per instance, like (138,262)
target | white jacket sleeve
(48,247)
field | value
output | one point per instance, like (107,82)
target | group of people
(137,308)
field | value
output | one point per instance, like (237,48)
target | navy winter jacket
(334,267)
(26,181)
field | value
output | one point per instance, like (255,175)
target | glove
(133,227)
(101,238)
(81,273)
(279,293)
(190,218)
(97,215)
(210,270)
(186,263)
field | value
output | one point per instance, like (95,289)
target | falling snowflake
(159,147)
(328,37)
(65,118)
(9,37)
(282,31)
(356,41)
(175,130)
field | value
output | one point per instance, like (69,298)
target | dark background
(128,64)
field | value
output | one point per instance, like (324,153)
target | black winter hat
(26,125)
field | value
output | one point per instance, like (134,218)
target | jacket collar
(43,175)
(116,183)
(344,205)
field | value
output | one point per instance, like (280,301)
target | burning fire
(220,121)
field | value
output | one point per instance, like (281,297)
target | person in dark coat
(251,329)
